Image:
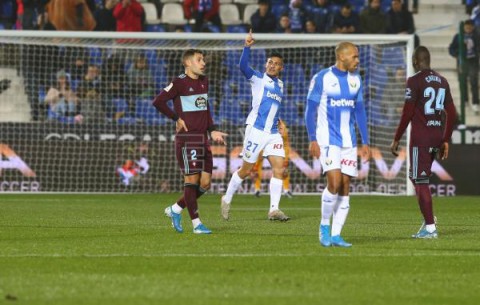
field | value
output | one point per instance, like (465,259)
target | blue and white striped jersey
(267,95)
(334,104)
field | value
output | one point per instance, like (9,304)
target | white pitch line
(321,253)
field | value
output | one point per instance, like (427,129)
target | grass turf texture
(120,249)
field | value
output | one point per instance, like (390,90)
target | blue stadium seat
(258,58)
(279,9)
(144,111)
(213,28)
(358,5)
(95,56)
(314,69)
(236,29)
(279,2)
(231,111)
(393,56)
(385,5)
(236,100)
(293,76)
(290,114)
(155,28)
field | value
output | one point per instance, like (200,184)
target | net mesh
(77,116)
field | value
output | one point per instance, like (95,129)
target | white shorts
(334,157)
(257,140)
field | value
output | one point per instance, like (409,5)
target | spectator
(20,11)
(140,78)
(8,13)
(346,21)
(32,12)
(322,16)
(400,20)
(472,48)
(73,60)
(70,15)
(62,102)
(201,11)
(114,85)
(90,92)
(129,15)
(297,16)
(104,17)
(372,19)
(283,25)
(310,27)
(263,21)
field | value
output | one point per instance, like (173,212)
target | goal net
(76,108)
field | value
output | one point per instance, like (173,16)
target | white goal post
(76,113)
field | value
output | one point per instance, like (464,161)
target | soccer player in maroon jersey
(427,98)
(189,92)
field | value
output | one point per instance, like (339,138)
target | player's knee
(205,186)
(244,171)
(278,172)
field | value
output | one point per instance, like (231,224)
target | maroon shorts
(421,159)
(194,154)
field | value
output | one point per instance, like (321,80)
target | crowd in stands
(91,84)
(263,16)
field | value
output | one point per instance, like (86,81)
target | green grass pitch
(120,249)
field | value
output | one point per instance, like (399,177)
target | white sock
(276,186)
(430,228)
(176,208)
(340,214)
(196,222)
(328,202)
(233,185)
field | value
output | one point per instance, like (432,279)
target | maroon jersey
(190,103)
(427,97)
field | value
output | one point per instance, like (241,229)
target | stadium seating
(95,56)
(279,9)
(155,28)
(172,13)
(151,14)
(236,29)
(248,11)
(289,113)
(293,76)
(245,1)
(145,112)
(390,56)
(229,14)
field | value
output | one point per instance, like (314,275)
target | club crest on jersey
(353,85)
(201,102)
(408,93)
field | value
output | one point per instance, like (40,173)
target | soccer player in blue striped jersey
(261,133)
(334,105)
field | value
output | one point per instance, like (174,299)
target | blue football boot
(201,229)
(176,219)
(337,241)
(325,235)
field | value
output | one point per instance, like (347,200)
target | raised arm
(244,66)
